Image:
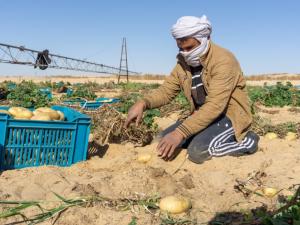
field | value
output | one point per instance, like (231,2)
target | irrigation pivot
(43,60)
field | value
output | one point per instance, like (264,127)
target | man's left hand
(168,144)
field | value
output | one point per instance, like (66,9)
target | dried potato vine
(108,128)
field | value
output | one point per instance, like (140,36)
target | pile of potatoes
(43,113)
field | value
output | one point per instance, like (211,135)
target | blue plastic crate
(11,86)
(107,100)
(90,105)
(69,91)
(47,91)
(84,104)
(74,101)
(27,143)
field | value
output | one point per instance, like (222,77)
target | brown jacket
(224,84)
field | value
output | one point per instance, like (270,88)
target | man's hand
(135,113)
(168,144)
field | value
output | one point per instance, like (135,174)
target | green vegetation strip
(275,95)
(28,94)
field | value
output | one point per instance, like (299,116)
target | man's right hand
(135,113)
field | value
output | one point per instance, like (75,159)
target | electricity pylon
(123,69)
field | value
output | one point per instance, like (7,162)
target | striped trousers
(218,139)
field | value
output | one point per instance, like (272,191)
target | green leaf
(133,221)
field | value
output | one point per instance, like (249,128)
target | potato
(52,113)
(271,136)
(5,112)
(290,136)
(173,204)
(22,113)
(269,192)
(61,115)
(40,113)
(144,157)
(41,116)
(15,110)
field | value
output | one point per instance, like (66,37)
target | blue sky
(264,35)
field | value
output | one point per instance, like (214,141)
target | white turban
(195,27)
(191,26)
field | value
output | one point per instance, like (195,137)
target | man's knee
(198,153)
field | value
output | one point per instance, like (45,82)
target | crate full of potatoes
(42,136)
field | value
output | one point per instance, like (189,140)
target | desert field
(253,80)
(112,187)
(76,79)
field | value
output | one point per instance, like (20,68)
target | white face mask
(192,57)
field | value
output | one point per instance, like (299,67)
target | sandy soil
(277,115)
(115,173)
(270,82)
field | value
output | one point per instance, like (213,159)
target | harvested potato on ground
(290,136)
(54,115)
(269,192)
(173,204)
(271,136)
(144,157)
(41,116)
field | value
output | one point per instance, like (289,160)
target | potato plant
(83,92)
(276,95)
(3,92)
(137,86)
(127,100)
(27,94)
